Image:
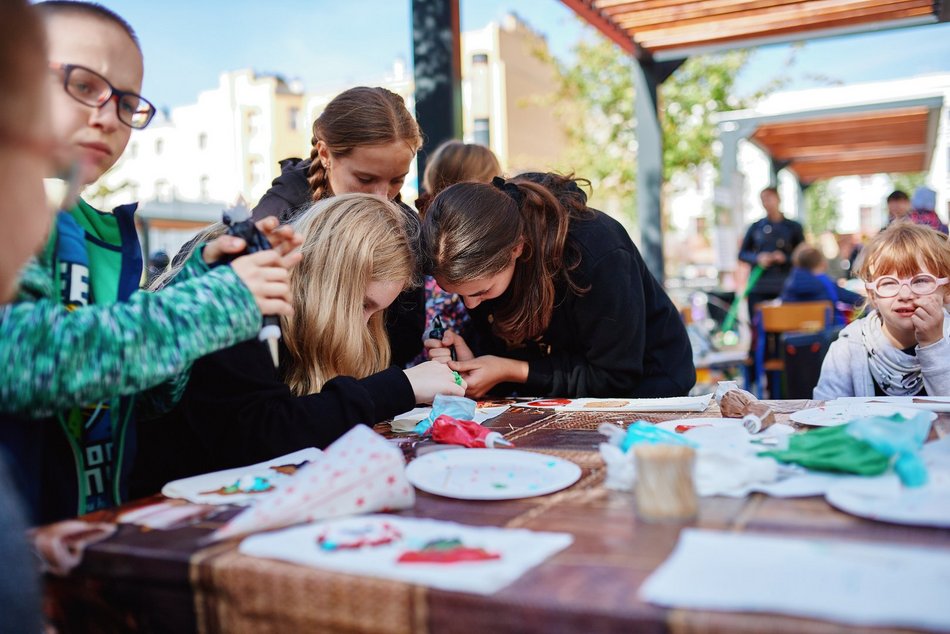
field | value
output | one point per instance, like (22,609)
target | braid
(317,174)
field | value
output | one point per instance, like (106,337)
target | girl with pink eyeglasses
(901,348)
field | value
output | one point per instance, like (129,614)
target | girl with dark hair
(560,298)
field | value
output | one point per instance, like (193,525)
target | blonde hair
(457,162)
(901,249)
(358,117)
(349,241)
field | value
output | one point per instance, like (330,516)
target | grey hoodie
(845,371)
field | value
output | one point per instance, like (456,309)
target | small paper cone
(359,473)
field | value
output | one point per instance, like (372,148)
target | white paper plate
(928,505)
(932,403)
(696,423)
(834,415)
(491,474)
(196,488)
(620,404)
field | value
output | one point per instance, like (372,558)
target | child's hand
(484,373)
(265,275)
(928,319)
(439,350)
(283,238)
(222,246)
(431,378)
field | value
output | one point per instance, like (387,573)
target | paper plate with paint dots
(491,474)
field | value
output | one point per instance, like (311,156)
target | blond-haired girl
(901,347)
(335,372)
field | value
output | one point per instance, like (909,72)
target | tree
(595,100)
(821,208)
(909,181)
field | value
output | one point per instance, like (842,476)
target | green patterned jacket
(134,355)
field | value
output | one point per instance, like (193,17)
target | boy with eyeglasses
(902,347)
(84,351)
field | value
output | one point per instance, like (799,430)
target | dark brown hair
(354,118)
(807,257)
(471,229)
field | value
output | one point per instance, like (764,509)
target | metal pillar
(802,188)
(437,68)
(648,75)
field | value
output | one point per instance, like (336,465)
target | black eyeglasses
(92,89)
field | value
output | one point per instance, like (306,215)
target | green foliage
(909,181)
(701,87)
(821,208)
(595,101)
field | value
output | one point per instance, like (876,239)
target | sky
(333,44)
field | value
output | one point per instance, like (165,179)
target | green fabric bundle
(832,449)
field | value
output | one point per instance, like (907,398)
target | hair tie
(513,191)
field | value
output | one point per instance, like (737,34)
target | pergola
(856,130)
(661,35)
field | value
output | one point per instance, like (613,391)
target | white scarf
(895,371)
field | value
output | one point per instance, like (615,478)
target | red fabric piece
(451,556)
(452,431)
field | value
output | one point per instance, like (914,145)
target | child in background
(81,345)
(901,348)
(452,162)
(335,370)
(809,282)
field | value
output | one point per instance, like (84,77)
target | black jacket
(623,337)
(765,236)
(405,319)
(288,193)
(238,411)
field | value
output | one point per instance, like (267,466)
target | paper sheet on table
(407,421)
(859,583)
(931,403)
(520,550)
(203,489)
(619,404)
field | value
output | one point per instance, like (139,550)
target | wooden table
(170,581)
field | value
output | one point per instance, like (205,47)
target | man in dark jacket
(769,243)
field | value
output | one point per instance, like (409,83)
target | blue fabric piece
(457,407)
(644,433)
(900,438)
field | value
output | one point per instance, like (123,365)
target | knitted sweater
(128,358)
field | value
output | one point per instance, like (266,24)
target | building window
(159,146)
(293,115)
(257,171)
(163,191)
(482,133)
(480,58)
(202,141)
(253,123)
(203,187)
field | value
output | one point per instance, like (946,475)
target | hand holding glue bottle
(438,332)
(240,225)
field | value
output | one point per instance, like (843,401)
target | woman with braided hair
(363,142)
(561,301)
